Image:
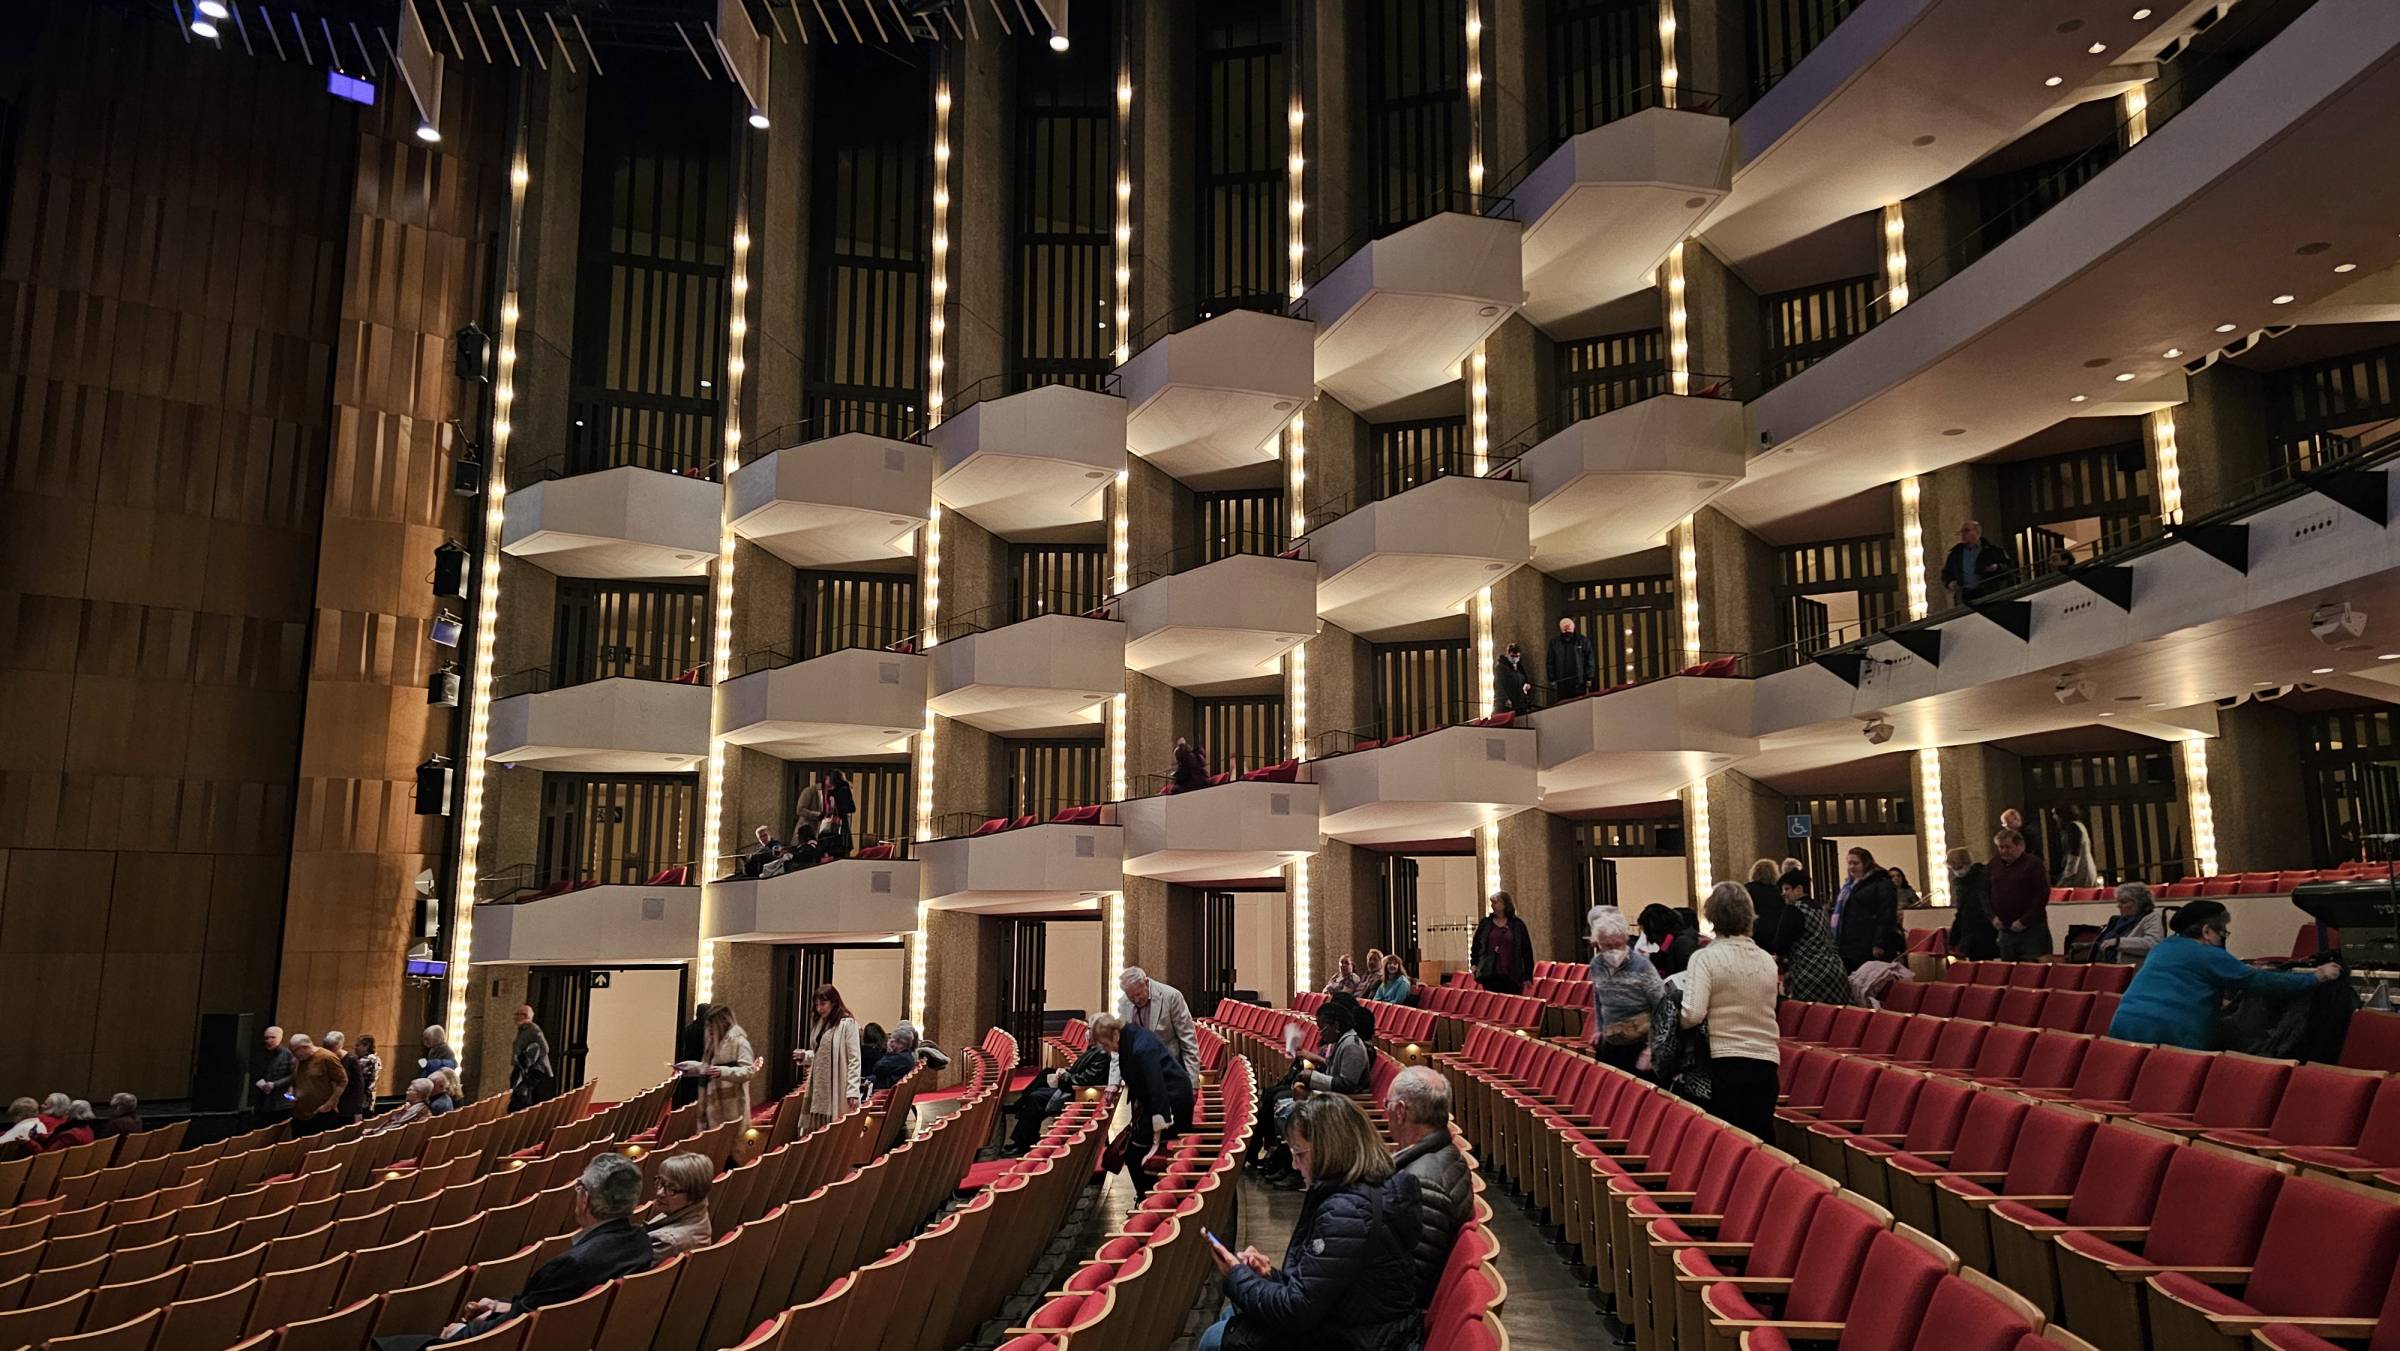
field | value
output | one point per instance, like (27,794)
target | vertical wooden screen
(1045,776)
(1241,732)
(869,238)
(1411,453)
(1633,625)
(1052,579)
(1783,31)
(1245,522)
(1807,325)
(2350,775)
(1602,57)
(1243,95)
(1065,289)
(835,610)
(1596,375)
(2311,405)
(646,630)
(616,828)
(2130,802)
(1415,84)
(1423,685)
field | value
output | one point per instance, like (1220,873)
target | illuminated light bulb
(758,119)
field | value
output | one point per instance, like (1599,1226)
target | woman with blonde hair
(724,1069)
(1348,1279)
(679,1222)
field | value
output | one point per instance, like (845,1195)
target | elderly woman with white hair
(1624,986)
(2137,928)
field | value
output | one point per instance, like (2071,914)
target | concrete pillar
(1341,685)
(982,221)
(1746,822)
(745,983)
(1736,571)
(1541,872)
(2255,788)
(1158,38)
(1526,606)
(1978,783)
(1162,932)
(1938,228)
(1722,323)
(2221,435)
(778,178)
(1515,102)
(1334,178)
(967,955)
(1947,499)
(1520,373)
(1155,714)
(491,1027)
(1712,53)
(1340,459)
(1346,908)
(1162,521)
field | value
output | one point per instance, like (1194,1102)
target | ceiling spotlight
(2123,376)
(1877,731)
(214,9)
(2140,14)
(2284,299)
(204,28)
(2224,328)
(2054,82)
(2387,656)
(2172,353)
(758,119)
(2073,689)
(428,133)
(2096,48)
(2345,267)
(1058,42)
(2075,398)
(2321,670)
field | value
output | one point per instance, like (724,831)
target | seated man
(607,1246)
(1418,1106)
(1049,1095)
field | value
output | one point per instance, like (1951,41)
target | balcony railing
(864,639)
(1438,203)
(574,463)
(1231,544)
(544,679)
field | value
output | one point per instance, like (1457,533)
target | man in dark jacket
(1512,679)
(1574,666)
(1050,1094)
(1975,565)
(271,1077)
(531,1078)
(1418,1107)
(609,1245)
(2020,890)
(1160,1091)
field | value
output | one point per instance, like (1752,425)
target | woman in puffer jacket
(1348,1279)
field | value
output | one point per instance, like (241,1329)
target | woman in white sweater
(831,1058)
(1730,986)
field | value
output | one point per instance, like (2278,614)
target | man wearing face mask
(1624,985)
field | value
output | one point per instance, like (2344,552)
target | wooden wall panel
(169,278)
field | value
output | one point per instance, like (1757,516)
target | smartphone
(1215,1241)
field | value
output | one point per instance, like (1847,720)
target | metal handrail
(1231,544)
(1447,201)
(776,656)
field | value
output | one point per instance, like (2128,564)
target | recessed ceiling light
(2387,656)
(2096,48)
(1954,431)
(2224,328)
(2075,398)
(2160,704)
(2108,715)
(2321,670)
(2172,353)
(2140,14)
(2345,267)
(2123,376)
(2054,82)
(2264,684)
(2284,299)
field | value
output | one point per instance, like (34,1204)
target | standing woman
(1866,914)
(1971,932)
(727,1065)
(1624,986)
(1502,953)
(1730,986)
(2076,866)
(831,1059)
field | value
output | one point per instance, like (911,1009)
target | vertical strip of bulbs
(2198,805)
(1895,258)
(737,331)
(1932,823)
(937,325)
(1669,75)
(1124,215)
(1679,323)
(487,614)
(1475,97)
(1479,418)
(2169,464)
(2137,115)
(1912,546)
(1295,462)
(1687,592)
(1296,204)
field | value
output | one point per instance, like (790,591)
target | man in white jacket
(1161,1008)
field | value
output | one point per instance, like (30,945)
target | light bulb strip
(938,269)
(1895,258)
(930,571)
(1687,587)
(1933,826)
(2137,115)
(1669,75)
(1475,97)
(2169,464)
(1296,201)
(2199,806)
(1679,322)
(1696,807)
(1912,546)
(487,619)
(1124,213)
(719,749)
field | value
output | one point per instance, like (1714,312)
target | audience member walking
(318,1081)
(1907,894)
(1975,565)
(1512,681)
(531,1078)
(1812,970)
(1866,912)
(1774,929)
(691,1043)
(438,1055)
(1624,986)
(1158,1091)
(1501,953)
(1164,1012)
(726,1064)
(1672,939)
(831,1058)
(271,1077)
(2076,866)
(1972,933)
(1729,988)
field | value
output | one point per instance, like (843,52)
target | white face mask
(1613,958)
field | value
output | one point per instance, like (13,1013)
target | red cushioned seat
(1831,1255)
(2328,1252)
(2239,1093)
(1980,1002)
(2103,1012)
(992,826)
(2373,1042)
(1941,999)
(2219,886)
(2318,1105)
(2211,1211)
(2020,1005)
(2065,1010)
(2378,1144)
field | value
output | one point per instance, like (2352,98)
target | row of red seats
(1715,668)
(1700,1234)
(1455,1002)
(2017,1005)
(2159,1198)
(1282,771)
(2104,976)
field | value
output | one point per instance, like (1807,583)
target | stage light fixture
(447,629)
(433,787)
(441,689)
(450,570)
(471,354)
(204,28)
(429,133)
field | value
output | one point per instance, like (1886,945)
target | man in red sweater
(2020,885)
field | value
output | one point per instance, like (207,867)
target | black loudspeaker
(450,571)
(433,788)
(1669,839)
(221,1060)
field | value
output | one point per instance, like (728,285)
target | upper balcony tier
(614,726)
(1395,319)
(860,701)
(591,926)
(1029,466)
(847,900)
(1904,94)
(2164,250)
(1617,483)
(1220,622)
(1436,785)
(849,501)
(1051,671)
(1024,867)
(621,523)
(1644,743)
(1211,398)
(1420,554)
(1605,207)
(1227,832)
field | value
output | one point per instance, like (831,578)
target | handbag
(1633,1031)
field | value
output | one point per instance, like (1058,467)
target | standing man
(530,1077)
(2020,888)
(318,1081)
(273,1069)
(1161,1096)
(1162,1009)
(1512,679)
(1975,566)
(1574,665)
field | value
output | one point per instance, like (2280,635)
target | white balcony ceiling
(1419,555)
(1222,622)
(855,702)
(619,726)
(1031,869)
(1643,744)
(1395,319)
(617,524)
(1609,204)
(1030,466)
(851,501)
(1438,786)
(1228,833)
(1052,671)
(1616,484)
(1212,399)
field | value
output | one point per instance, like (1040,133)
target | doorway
(612,1026)
(871,976)
(1219,958)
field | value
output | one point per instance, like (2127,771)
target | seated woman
(679,1215)
(2173,998)
(1396,986)
(413,1107)
(2137,928)
(1348,1279)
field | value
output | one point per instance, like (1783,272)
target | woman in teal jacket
(2173,998)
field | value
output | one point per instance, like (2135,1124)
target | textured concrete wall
(1520,378)
(1340,458)
(1541,872)
(778,179)
(1978,783)
(967,954)
(1947,499)
(1738,609)
(2221,434)
(1165,130)
(1345,908)
(1723,324)
(982,221)
(1745,824)
(2255,789)
(1334,144)
(1341,682)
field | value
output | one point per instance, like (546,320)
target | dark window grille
(1241,732)
(1807,325)
(870,237)
(1596,375)
(1603,62)
(2107,484)
(2010,201)
(883,793)
(1416,86)
(1051,579)
(1241,523)
(1046,777)
(1867,567)
(2350,768)
(837,610)
(651,281)
(1644,837)
(1066,210)
(616,829)
(1632,624)
(1858,814)
(646,630)
(1783,31)
(1420,686)
(1408,454)
(1245,92)
(2130,803)
(2310,405)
